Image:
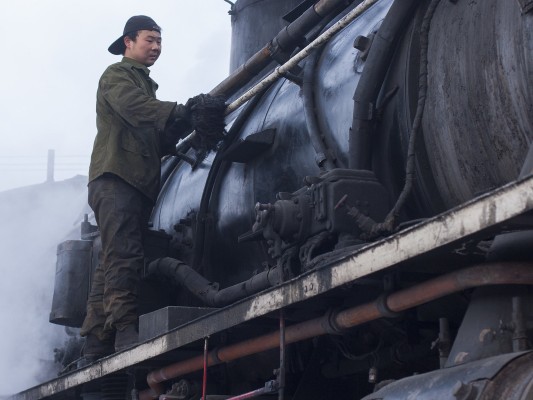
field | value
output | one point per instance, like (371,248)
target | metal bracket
(250,147)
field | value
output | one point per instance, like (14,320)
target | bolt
(361,43)
(373,375)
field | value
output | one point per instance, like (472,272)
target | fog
(55,52)
(34,220)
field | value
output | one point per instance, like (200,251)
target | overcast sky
(54,51)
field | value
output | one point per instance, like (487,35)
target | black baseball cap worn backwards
(135,23)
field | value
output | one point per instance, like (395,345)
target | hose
(390,220)
(208,292)
(323,156)
(371,81)
(371,228)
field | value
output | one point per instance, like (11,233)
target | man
(134,131)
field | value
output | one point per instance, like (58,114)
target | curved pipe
(367,91)
(207,291)
(286,40)
(475,276)
(394,213)
(283,69)
(323,157)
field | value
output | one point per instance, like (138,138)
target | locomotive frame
(312,303)
(496,211)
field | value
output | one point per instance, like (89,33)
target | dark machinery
(370,209)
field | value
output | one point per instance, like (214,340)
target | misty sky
(54,51)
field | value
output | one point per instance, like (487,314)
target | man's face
(145,49)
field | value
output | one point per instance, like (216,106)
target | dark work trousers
(122,214)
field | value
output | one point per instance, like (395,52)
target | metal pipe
(288,38)
(302,54)
(520,340)
(208,291)
(287,67)
(444,344)
(204,381)
(249,395)
(323,156)
(244,74)
(475,276)
(270,387)
(281,372)
(376,67)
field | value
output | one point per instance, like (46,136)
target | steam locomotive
(363,231)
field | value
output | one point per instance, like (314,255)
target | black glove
(207,119)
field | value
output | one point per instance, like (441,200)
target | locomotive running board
(480,214)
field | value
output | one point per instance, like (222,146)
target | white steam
(34,220)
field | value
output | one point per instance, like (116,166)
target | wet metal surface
(484,212)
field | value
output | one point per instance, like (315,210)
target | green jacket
(132,127)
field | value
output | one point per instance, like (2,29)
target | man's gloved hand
(207,119)
(178,126)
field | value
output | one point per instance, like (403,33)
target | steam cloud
(34,220)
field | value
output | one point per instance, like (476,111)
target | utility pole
(50,167)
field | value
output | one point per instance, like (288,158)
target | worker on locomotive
(134,131)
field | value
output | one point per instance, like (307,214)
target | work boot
(93,349)
(126,337)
